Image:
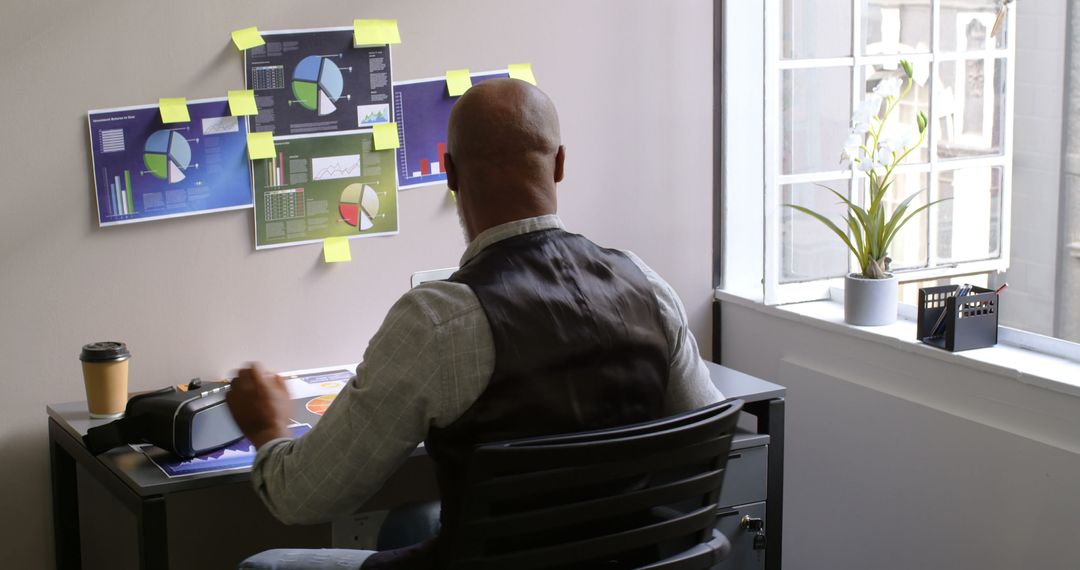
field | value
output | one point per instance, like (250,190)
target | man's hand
(260,405)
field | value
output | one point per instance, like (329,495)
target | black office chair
(639,496)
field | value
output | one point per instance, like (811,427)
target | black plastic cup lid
(105,351)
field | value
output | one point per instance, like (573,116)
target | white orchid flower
(887,147)
(889,87)
(865,162)
(896,139)
(864,113)
(852,147)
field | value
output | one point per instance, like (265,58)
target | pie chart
(317,84)
(359,206)
(319,404)
(166,155)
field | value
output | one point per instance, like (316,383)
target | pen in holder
(956,323)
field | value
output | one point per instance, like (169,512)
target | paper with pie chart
(320,186)
(146,170)
(315,81)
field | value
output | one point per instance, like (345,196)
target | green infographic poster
(320,186)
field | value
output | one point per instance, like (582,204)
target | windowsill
(1027,366)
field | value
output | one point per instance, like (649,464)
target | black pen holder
(969,322)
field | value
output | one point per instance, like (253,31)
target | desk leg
(772,423)
(153,534)
(65,492)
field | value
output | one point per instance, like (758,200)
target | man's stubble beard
(461,221)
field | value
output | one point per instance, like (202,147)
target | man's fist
(259,404)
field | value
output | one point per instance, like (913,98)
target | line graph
(332,167)
(219,125)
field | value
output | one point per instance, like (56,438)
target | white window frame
(776,292)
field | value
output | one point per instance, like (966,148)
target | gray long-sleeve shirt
(429,361)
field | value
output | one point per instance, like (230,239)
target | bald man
(539,332)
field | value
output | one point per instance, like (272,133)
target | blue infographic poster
(147,170)
(315,81)
(422,108)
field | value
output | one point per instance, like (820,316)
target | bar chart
(121,201)
(275,170)
(422,110)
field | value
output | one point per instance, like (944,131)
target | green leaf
(898,214)
(828,223)
(907,68)
(856,232)
(912,215)
(861,214)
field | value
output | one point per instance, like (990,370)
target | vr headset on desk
(186,423)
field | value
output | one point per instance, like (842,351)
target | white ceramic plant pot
(870,302)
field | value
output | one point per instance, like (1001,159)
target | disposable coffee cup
(105,373)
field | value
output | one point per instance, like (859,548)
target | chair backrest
(638,495)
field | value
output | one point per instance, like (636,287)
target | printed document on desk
(239,455)
(318,382)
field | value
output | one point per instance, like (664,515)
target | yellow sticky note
(522,71)
(386,136)
(260,145)
(174,110)
(336,250)
(242,102)
(375,32)
(247,38)
(458,82)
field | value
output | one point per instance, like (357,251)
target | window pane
(909,249)
(970,107)
(817,28)
(816,118)
(809,249)
(918,99)
(896,27)
(968,224)
(966,25)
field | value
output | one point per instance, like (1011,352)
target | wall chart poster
(320,186)
(422,108)
(145,170)
(315,81)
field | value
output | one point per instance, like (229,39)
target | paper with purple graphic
(422,109)
(240,455)
(147,170)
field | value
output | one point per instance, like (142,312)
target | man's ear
(560,157)
(451,172)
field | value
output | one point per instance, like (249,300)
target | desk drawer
(743,556)
(746,477)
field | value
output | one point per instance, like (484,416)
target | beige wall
(633,83)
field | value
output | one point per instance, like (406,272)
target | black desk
(131,479)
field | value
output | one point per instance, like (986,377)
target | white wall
(1037,144)
(633,83)
(895,461)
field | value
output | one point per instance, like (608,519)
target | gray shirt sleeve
(421,368)
(689,384)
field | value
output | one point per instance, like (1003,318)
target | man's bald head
(503,119)
(504,153)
